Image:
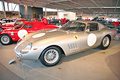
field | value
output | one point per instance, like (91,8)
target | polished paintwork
(63,39)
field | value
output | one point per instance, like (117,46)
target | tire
(105,43)
(1,29)
(50,56)
(5,39)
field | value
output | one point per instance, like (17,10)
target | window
(81,27)
(19,23)
(28,26)
(74,26)
(93,26)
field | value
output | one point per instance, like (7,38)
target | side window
(81,27)
(29,25)
(93,26)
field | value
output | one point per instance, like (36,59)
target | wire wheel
(106,41)
(50,56)
(5,39)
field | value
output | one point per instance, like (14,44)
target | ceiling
(78,6)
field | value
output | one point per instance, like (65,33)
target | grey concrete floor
(92,64)
(6,74)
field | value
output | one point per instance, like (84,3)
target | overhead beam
(79,4)
(97,5)
(91,7)
(50,1)
(58,1)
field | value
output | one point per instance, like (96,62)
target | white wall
(70,15)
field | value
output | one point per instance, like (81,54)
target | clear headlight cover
(26,49)
(23,37)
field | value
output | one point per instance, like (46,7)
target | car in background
(100,20)
(118,20)
(11,24)
(9,35)
(1,22)
(72,37)
(4,20)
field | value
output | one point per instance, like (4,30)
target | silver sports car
(72,37)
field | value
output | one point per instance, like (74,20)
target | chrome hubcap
(5,39)
(106,41)
(51,56)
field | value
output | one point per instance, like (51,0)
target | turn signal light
(35,49)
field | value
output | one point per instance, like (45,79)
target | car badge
(76,37)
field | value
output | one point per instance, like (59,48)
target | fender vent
(72,46)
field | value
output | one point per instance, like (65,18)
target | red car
(16,33)
(17,22)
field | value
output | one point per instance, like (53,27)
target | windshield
(73,26)
(19,23)
(12,23)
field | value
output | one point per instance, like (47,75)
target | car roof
(21,20)
(35,23)
(85,21)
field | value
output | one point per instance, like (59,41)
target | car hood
(40,35)
(8,30)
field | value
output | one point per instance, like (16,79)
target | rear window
(93,26)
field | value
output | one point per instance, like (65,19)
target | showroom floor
(6,74)
(93,64)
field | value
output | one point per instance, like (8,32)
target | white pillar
(45,13)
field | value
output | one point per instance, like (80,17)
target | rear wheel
(5,39)
(105,43)
(50,56)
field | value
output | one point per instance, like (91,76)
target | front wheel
(50,56)
(5,39)
(105,43)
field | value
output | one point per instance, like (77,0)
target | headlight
(23,37)
(27,48)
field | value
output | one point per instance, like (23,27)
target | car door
(93,35)
(90,38)
(26,29)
